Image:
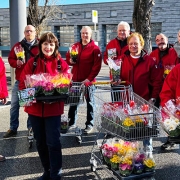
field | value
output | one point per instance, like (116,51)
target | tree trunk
(142,20)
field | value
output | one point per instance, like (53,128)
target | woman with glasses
(139,69)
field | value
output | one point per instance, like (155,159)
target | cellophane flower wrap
(73,51)
(126,117)
(48,85)
(19,51)
(167,69)
(64,123)
(114,150)
(149,164)
(170,117)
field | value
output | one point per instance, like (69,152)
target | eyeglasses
(133,44)
(29,31)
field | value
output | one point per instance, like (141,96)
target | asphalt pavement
(23,163)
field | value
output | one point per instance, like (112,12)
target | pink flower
(125,167)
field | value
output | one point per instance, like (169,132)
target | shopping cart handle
(106,82)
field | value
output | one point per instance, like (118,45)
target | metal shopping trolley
(112,106)
(76,97)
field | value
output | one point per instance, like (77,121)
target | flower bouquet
(64,123)
(48,87)
(19,51)
(170,118)
(167,69)
(126,166)
(115,67)
(73,50)
(127,124)
(138,163)
(149,164)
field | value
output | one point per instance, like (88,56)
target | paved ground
(23,163)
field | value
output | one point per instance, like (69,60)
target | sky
(5,3)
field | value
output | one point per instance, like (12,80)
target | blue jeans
(147,143)
(47,134)
(72,114)
(14,111)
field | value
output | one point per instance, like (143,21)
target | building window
(88,15)
(113,13)
(4,36)
(65,35)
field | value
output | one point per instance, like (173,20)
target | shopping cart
(110,106)
(76,97)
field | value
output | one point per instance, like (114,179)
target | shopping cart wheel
(79,139)
(93,163)
(93,168)
(30,144)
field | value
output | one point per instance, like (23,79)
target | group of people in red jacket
(144,71)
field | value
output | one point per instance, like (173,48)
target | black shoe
(45,176)
(88,129)
(10,133)
(167,145)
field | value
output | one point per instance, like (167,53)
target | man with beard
(165,57)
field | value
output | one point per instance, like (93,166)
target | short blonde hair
(135,34)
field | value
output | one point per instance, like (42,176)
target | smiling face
(161,42)
(135,46)
(48,48)
(86,35)
(122,32)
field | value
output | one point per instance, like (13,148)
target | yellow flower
(20,54)
(149,163)
(138,119)
(128,122)
(167,71)
(115,159)
(127,160)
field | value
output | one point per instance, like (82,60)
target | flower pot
(125,172)
(48,93)
(114,166)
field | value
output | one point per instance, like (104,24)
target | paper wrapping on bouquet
(112,53)
(19,51)
(26,96)
(115,67)
(169,118)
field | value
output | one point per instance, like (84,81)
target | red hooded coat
(3,82)
(45,65)
(171,86)
(144,76)
(12,59)
(88,63)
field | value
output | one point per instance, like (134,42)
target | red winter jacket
(13,59)
(171,86)
(144,76)
(114,44)
(45,65)
(170,58)
(88,63)
(3,82)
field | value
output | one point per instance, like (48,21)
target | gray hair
(87,27)
(124,24)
